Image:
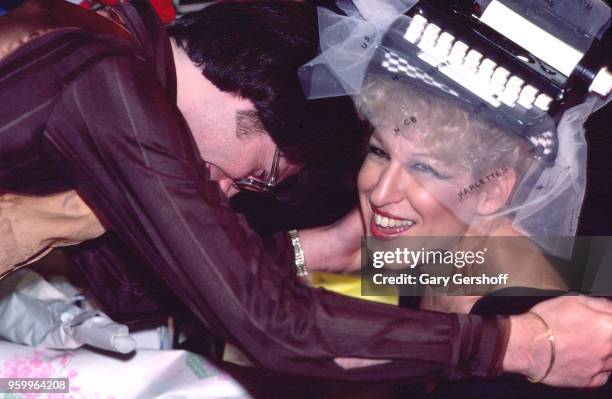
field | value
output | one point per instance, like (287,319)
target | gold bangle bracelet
(551,340)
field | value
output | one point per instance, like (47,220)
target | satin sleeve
(132,159)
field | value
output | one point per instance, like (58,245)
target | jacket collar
(150,34)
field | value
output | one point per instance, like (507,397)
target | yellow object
(349,285)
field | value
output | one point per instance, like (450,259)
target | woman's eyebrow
(428,155)
(442,163)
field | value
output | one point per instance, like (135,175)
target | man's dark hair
(253,49)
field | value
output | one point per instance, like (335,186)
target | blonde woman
(436,169)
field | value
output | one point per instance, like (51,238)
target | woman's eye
(377,152)
(421,167)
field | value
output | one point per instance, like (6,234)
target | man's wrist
(314,251)
(525,354)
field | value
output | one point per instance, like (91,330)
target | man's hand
(582,328)
(334,248)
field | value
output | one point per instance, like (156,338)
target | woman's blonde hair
(448,130)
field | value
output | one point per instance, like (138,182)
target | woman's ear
(495,192)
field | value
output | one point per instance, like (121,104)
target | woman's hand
(582,328)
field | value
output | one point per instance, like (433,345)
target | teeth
(388,222)
(377,219)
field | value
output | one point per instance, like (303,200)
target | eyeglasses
(257,185)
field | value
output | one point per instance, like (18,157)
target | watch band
(298,251)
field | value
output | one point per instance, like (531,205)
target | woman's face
(405,190)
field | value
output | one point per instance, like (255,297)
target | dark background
(596,215)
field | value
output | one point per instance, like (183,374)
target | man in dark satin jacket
(91,103)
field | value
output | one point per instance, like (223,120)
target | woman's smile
(384,225)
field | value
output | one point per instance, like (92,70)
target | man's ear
(496,192)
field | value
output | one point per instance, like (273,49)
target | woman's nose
(389,187)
